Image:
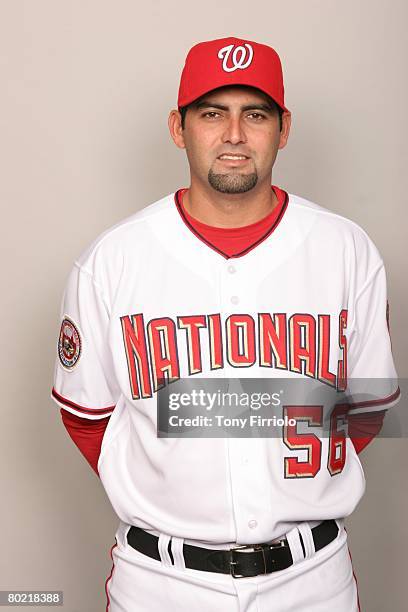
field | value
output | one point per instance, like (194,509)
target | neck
(229,210)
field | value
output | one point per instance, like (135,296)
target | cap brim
(195,96)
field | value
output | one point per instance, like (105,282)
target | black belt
(241,561)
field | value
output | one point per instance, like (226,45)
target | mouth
(233,158)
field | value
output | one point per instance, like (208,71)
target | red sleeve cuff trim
(379,402)
(67,402)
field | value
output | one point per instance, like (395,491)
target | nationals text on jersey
(298,343)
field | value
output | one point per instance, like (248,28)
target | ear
(175,129)
(286,123)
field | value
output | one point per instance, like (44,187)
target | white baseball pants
(322,581)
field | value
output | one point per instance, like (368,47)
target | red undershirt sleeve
(364,427)
(87,434)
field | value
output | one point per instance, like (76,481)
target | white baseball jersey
(151,300)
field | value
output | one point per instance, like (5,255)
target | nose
(234,131)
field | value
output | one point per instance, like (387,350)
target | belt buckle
(248,548)
(278,544)
(253,548)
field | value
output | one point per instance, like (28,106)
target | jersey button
(232,269)
(235,299)
(252,524)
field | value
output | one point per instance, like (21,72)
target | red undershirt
(87,434)
(234,240)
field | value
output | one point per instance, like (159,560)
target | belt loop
(162,545)
(295,545)
(121,533)
(307,538)
(177,551)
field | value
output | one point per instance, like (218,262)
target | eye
(210,114)
(257,116)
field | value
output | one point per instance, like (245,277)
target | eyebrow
(256,106)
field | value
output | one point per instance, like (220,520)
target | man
(230,277)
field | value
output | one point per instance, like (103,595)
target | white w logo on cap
(239,57)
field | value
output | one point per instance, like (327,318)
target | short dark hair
(274,107)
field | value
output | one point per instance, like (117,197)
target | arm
(85,388)
(87,434)
(363,428)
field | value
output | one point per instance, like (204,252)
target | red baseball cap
(231,61)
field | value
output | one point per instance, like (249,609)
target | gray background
(86,90)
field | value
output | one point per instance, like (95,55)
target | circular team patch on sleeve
(69,344)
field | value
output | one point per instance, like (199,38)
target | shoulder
(326,216)
(130,232)
(335,231)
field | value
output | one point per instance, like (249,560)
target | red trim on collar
(178,199)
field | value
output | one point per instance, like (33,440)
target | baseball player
(230,277)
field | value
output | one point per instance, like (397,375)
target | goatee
(232,183)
